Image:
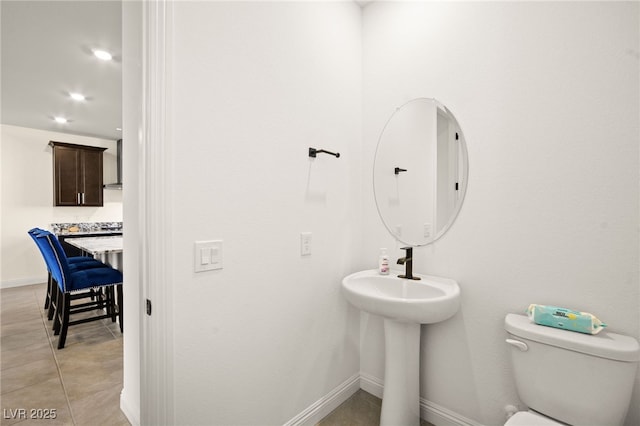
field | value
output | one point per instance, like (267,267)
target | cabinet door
(91,178)
(66,188)
(77,174)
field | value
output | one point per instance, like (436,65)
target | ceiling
(47,53)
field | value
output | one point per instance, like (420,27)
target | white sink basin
(429,300)
(404,304)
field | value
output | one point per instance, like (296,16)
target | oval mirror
(420,172)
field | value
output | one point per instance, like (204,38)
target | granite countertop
(98,245)
(86,228)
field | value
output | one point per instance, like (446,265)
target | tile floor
(361,409)
(81,382)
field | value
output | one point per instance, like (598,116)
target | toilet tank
(576,378)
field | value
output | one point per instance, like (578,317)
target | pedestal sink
(404,305)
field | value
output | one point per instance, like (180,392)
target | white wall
(27,198)
(253,86)
(547,95)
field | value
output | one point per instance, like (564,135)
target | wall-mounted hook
(397,170)
(313,152)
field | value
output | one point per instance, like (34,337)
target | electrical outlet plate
(305,243)
(428,230)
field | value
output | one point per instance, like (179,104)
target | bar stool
(75,263)
(73,285)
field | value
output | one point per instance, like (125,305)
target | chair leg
(52,300)
(120,299)
(47,299)
(99,296)
(66,306)
(58,312)
(111,302)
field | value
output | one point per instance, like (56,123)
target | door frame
(155,213)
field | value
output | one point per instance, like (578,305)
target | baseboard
(130,413)
(429,411)
(441,416)
(325,405)
(371,384)
(23,282)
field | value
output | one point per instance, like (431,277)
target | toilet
(571,378)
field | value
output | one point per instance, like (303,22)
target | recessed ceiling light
(119,129)
(60,120)
(104,55)
(77,96)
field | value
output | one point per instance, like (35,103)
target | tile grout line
(55,358)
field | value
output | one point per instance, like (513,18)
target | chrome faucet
(407,261)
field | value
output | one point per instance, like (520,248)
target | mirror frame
(462,185)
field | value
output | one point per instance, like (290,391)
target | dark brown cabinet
(77,174)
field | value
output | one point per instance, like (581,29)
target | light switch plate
(207,255)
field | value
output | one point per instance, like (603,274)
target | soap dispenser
(383,262)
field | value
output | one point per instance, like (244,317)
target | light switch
(208,255)
(216,255)
(205,256)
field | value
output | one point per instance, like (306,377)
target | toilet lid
(527,418)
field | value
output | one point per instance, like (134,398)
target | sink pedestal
(404,304)
(401,397)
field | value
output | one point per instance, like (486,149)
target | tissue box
(553,316)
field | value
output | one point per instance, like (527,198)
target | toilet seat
(528,418)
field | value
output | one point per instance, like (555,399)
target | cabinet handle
(78,198)
(83,198)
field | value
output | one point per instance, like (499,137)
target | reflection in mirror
(420,171)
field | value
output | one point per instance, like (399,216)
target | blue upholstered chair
(73,285)
(75,262)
